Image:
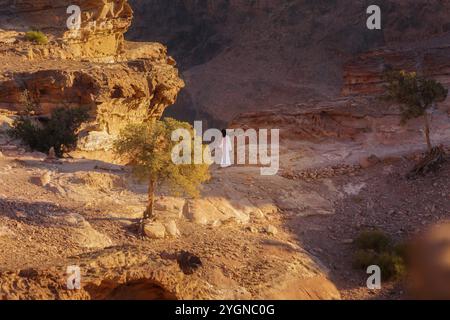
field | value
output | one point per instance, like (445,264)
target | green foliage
(59,132)
(415,94)
(373,240)
(36,37)
(148,149)
(376,248)
(392,266)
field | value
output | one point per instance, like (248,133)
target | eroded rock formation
(359,119)
(363,74)
(131,273)
(94,66)
(103,23)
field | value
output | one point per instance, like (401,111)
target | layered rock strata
(120,82)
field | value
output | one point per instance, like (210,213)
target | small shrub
(364,258)
(392,266)
(59,132)
(375,248)
(36,37)
(373,240)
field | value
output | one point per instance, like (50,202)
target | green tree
(416,95)
(147,147)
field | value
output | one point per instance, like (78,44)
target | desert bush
(376,248)
(58,132)
(37,37)
(373,240)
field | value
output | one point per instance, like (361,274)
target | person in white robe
(226,150)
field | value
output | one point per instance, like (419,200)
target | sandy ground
(37,229)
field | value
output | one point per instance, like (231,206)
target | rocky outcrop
(364,74)
(346,119)
(100,35)
(346,131)
(133,274)
(120,82)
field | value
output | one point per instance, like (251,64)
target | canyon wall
(244,56)
(94,66)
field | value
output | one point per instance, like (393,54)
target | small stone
(257,214)
(271,230)
(252,229)
(43,180)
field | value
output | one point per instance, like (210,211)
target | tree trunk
(148,213)
(427,132)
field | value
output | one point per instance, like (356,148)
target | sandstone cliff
(363,74)
(241,55)
(119,81)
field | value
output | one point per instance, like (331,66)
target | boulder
(266,207)
(213,211)
(155,230)
(271,230)
(82,232)
(172,229)
(169,207)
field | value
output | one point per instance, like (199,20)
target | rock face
(131,273)
(363,75)
(244,56)
(359,119)
(100,36)
(120,82)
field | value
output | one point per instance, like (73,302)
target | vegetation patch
(58,132)
(37,37)
(376,248)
